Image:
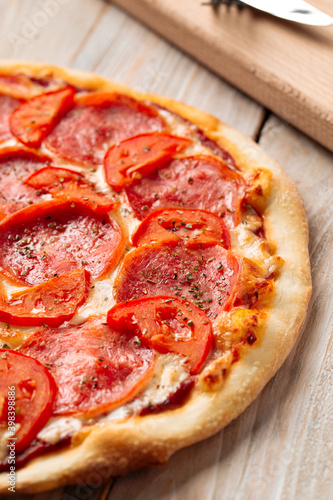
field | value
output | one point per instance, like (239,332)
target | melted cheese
(59,428)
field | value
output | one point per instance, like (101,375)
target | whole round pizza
(154,276)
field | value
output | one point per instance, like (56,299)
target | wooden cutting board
(287,67)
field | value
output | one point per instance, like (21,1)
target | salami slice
(203,182)
(195,228)
(52,238)
(95,367)
(27,393)
(7,105)
(168,325)
(208,279)
(50,303)
(98,121)
(64,183)
(15,165)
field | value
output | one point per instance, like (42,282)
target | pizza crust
(115,448)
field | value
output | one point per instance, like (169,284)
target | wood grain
(285,66)
(281,447)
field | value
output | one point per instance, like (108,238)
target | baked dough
(116,448)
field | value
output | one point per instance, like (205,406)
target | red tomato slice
(96,368)
(56,237)
(15,165)
(32,121)
(168,325)
(202,182)
(67,184)
(140,156)
(50,303)
(196,228)
(7,105)
(34,393)
(209,279)
(98,121)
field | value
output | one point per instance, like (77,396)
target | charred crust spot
(251,337)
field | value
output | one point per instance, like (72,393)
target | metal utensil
(298,11)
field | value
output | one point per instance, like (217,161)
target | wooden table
(281,448)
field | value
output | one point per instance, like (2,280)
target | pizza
(154,276)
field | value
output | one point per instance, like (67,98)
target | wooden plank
(50,495)
(78,492)
(286,67)
(311,466)
(43,31)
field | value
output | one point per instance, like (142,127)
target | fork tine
(228,3)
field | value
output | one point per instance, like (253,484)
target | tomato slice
(209,279)
(167,324)
(51,303)
(56,237)
(95,367)
(99,120)
(15,165)
(196,228)
(32,121)
(67,184)
(140,155)
(28,383)
(203,182)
